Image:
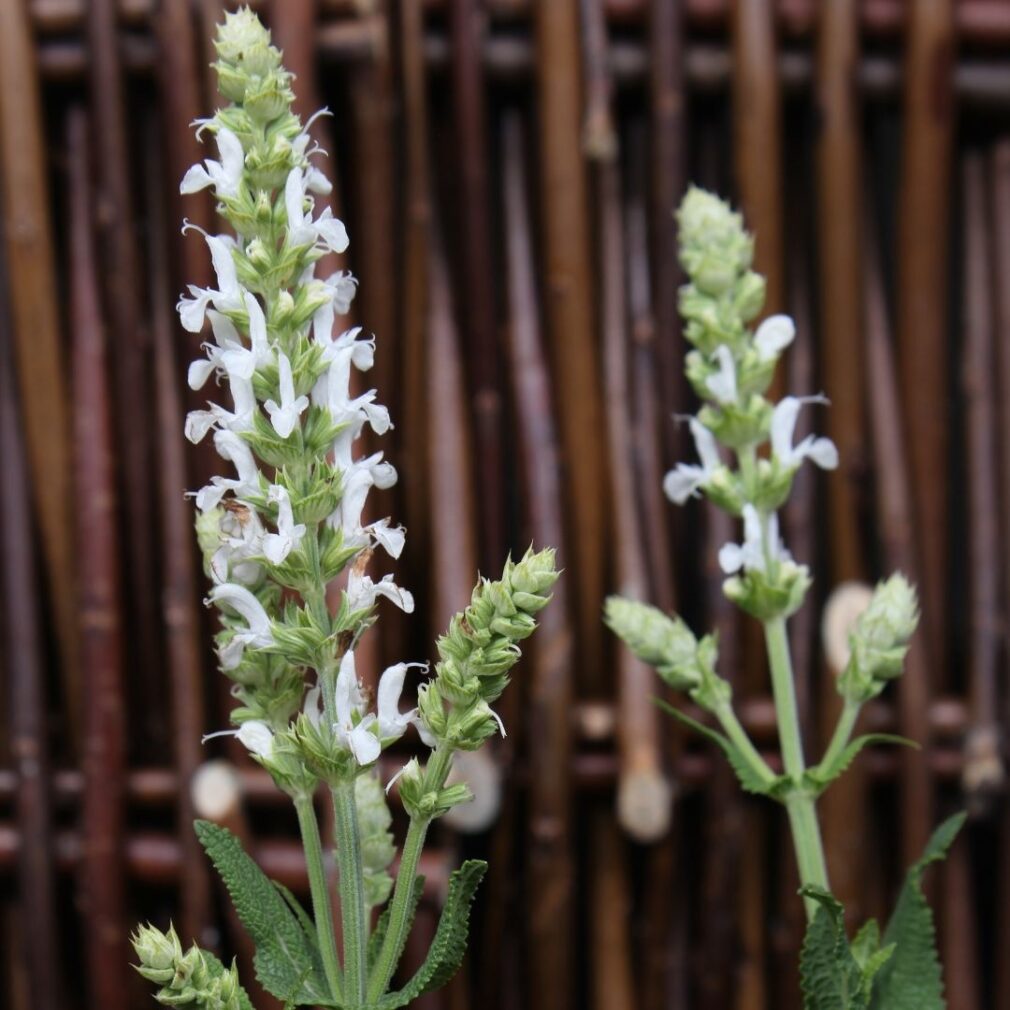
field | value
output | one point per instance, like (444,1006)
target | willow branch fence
(507,170)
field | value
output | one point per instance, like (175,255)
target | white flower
(232,448)
(285,417)
(753,554)
(773,336)
(255,735)
(340,288)
(228,295)
(362,592)
(199,422)
(722,385)
(684,481)
(326,230)
(256,635)
(358,479)
(353,727)
(390,538)
(224,175)
(821,451)
(227,339)
(393,723)
(277,546)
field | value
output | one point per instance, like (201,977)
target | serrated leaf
(379,933)
(308,927)
(830,977)
(447,949)
(912,978)
(821,776)
(285,963)
(749,780)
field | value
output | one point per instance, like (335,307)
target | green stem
(354,915)
(800,803)
(843,732)
(729,722)
(321,908)
(400,906)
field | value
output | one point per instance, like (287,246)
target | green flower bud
(766,598)
(470,727)
(661,641)
(431,709)
(749,296)
(158,953)
(534,575)
(714,247)
(243,42)
(879,642)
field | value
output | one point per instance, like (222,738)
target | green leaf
(912,978)
(821,776)
(286,964)
(750,781)
(308,928)
(379,933)
(447,949)
(830,977)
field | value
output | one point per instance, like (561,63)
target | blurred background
(507,171)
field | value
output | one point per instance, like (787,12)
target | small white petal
(257,737)
(774,335)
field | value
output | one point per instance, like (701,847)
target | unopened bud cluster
(191,979)
(480,648)
(879,642)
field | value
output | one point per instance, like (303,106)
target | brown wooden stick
(120,279)
(415,291)
(1000,201)
(571,326)
(36,329)
(924,209)
(477,273)
(548,710)
(612,978)
(667,182)
(27,703)
(894,519)
(840,221)
(757,139)
(180,592)
(983,774)
(104,756)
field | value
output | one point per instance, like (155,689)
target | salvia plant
(274,535)
(747,460)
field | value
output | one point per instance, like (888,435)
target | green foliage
(912,979)
(902,972)
(449,946)
(821,776)
(287,964)
(750,781)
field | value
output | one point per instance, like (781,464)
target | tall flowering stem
(283,523)
(747,459)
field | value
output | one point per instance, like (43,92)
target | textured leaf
(912,978)
(379,933)
(749,781)
(308,928)
(830,977)
(821,776)
(449,946)
(285,962)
